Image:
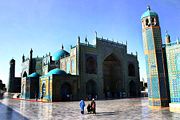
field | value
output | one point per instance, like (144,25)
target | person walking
(82,105)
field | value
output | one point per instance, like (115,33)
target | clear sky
(45,25)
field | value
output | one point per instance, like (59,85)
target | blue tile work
(173,65)
(157,90)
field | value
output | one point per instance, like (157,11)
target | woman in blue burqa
(82,105)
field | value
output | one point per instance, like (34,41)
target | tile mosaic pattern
(157,91)
(173,65)
(122,109)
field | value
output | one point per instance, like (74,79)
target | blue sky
(45,25)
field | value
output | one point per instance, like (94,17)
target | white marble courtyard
(121,109)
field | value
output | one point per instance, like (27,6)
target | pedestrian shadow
(7,113)
(106,113)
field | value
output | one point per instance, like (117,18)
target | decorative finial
(62,47)
(23,58)
(148,7)
(78,38)
(86,39)
(31,50)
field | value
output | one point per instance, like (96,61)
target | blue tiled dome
(149,12)
(56,71)
(59,54)
(34,75)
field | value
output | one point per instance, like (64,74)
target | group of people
(91,108)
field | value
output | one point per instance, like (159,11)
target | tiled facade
(173,67)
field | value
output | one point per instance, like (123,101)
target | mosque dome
(35,74)
(149,12)
(56,71)
(59,54)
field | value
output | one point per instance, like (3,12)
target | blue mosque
(103,70)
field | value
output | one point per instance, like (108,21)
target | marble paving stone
(121,109)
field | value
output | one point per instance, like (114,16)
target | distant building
(162,63)
(104,70)
(14,85)
(2,88)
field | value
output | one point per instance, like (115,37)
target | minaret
(31,54)
(11,75)
(167,39)
(157,83)
(31,62)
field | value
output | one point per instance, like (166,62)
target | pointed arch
(66,91)
(132,89)
(112,76)
(25,74)
(91,89)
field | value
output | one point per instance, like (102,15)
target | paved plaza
(121,109)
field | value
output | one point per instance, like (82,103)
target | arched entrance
(25,74)
(132,89)
(91,89)
(112,75)
(66,91)
(43,90)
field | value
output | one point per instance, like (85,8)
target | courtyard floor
(121,109)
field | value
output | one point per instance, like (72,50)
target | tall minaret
(157,83)
(11,75)
(31,62)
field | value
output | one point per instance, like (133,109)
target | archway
(132,89)
(43,90)
(112,75)
(25,74)
(66,91)
(91,89)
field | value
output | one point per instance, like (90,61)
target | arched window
(147,22)
(91,64)
(131,70)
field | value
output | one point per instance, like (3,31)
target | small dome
(12,61)
(56,71)
(149,12)
(167,38)
(34,75)
(59,54)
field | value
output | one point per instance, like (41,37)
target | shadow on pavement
(106,113)
(7,113)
